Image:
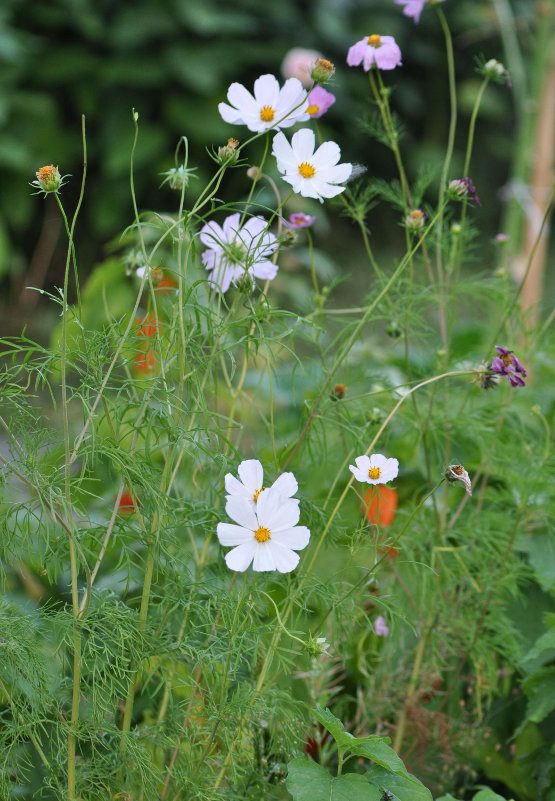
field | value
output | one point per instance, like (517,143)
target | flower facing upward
(319,101)
(48,179)
(506,363)
(375,469)
(268,536)
(250,483)
(311,173)
(383,51)
(271,107)
(299,220)
(236,251)
(413,8)
(322,70)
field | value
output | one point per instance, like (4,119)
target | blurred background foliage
(172,61)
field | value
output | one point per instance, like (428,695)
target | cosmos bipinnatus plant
(258,543)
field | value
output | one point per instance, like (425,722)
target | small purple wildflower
(381,627)
(506,363)
(299,220)
(319,101)
(502,238)
(383,51)
(413,8)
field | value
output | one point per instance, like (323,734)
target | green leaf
(403,788)
(543,651)
(376,748)
(308,781)
(488,795)
(332,724)
(540,689)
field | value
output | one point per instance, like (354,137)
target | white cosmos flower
(375,469)
(271,107)
(250,483)
(235,251)
(268,536)
(311,173)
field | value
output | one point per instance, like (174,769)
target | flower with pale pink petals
(381,627)
(236,251)
(270,107)
(383,51)
(298,64)
(319,101)
(413,8)
(267,536)
(299,220)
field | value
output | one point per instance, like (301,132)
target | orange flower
(165,285)
(380,506)
(127,505)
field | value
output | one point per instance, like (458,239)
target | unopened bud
(495,71)
(415,220)
(339,391)
(322,70)
(394,330)
(228,153)
(456,472)
(48,179)
(254,173)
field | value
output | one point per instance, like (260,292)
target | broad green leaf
(332,724)
(488,795)
(447,797)
(377,749)
(403,788)
(543,651)
(308,781)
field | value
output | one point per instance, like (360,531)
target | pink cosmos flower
(380,627)
(413,8)
(299,220)
(383,51)
(297,64)
(319,101)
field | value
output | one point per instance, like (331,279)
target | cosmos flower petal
(241,512)
(235,487)
(241,98)
(302,143)
(251,474)
(275,512)
(212,235)
(263,557)
(228,534)
(264,270)
(231,226)
(239,558)
(356,53)
(296,537)
(286,485)
(285,559)
(327,154)
(230,114)
(266,91)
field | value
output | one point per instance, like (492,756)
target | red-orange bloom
(380,506)
(127,505)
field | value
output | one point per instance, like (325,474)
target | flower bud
(462,187)
(178,177)
(415,220)
(456,472)
(495,71)
(322,70)
(48,179)
(254,173)
(228,153)
(394,330)
(339,391)
(317,645)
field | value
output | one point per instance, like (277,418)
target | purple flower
(506,363)
(413,8)
(380,627)
(383,51)
(299,220)
(319,101)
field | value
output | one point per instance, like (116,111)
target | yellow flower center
(313,110)
(506,360)
(374,40)
(374,472)
(261,534)
(307,170)
(267,114)
(458,469)
(46,172)
(256,494)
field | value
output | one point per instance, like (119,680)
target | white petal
(286,485)
(212,235)
(228,534)
(284,154)
(303,144)
(254,226)
(360,475)
(241,98)
(285,559)
(263,557)
(241,511)
(241,556)
(264,269)
(363,463)
(338,174)
(275,512)
(231,226)
(235,487)
(296,538)
(327,155)
(251,474)
(230,114)
(266,92)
